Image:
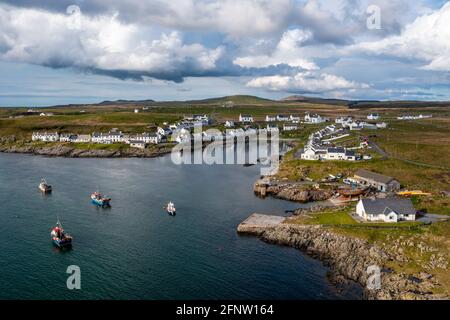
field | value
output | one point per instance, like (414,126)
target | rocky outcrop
(349,258)
(298,193)
(61,150)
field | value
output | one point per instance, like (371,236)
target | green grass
(327,218)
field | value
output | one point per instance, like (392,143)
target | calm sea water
(135,250)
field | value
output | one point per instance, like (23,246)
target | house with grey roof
(387,209)
(378,181)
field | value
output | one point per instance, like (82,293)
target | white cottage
(229,124)
(245,118)
(45,136)
(315,118)
(387,210)
(270,118)
(272,127)
(290,127)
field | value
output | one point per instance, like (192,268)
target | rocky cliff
(292,192)
(349,258)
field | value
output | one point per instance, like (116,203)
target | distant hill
(297,98)
(237,99)
(248,100)
(362,104)
(122,102)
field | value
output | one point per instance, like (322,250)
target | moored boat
(348,192)
(59,237)
(170,208)
(45,187)
(100,200)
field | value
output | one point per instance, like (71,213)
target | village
(183,130)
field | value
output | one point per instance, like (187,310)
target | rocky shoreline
(348,259)
(291,192)
(72,152)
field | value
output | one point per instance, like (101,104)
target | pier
(257,223)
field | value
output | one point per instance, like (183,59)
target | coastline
(348,259)
(65,151)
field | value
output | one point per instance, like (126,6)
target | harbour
(134,250)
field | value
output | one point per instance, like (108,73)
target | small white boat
(45,187)
(170,208)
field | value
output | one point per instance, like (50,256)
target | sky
(79,51)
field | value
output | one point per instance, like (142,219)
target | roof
(350,153)
(398,205)
(336,150)
(366,174)
(246,115)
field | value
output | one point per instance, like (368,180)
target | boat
(45,187)
(59,237)
(352,192)
(100,200)
(170,208)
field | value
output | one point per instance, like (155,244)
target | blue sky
(59,52)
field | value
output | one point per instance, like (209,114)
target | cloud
(287,51)
(101,44)
(426,39)
(235,18)
(305,82)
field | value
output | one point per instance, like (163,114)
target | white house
(270,118)
(136,110)
(294,119)
(290,127)
(147,138)
(272,127)
(67,137)
(229,124)
(310,154)
(110,137)
(198,118)
(282,117)
(373,116)
(339,153)
(138,144)
(45,136)
(115,136)
(355,125)
(98,137)
(245,118)
(315,118)
(387,209)
(82,138)
(164,131)
(381,125)
(46,114)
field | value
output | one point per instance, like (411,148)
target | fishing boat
(351,192)
(100,200)
(45,187)
(170,208)
(59,237)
